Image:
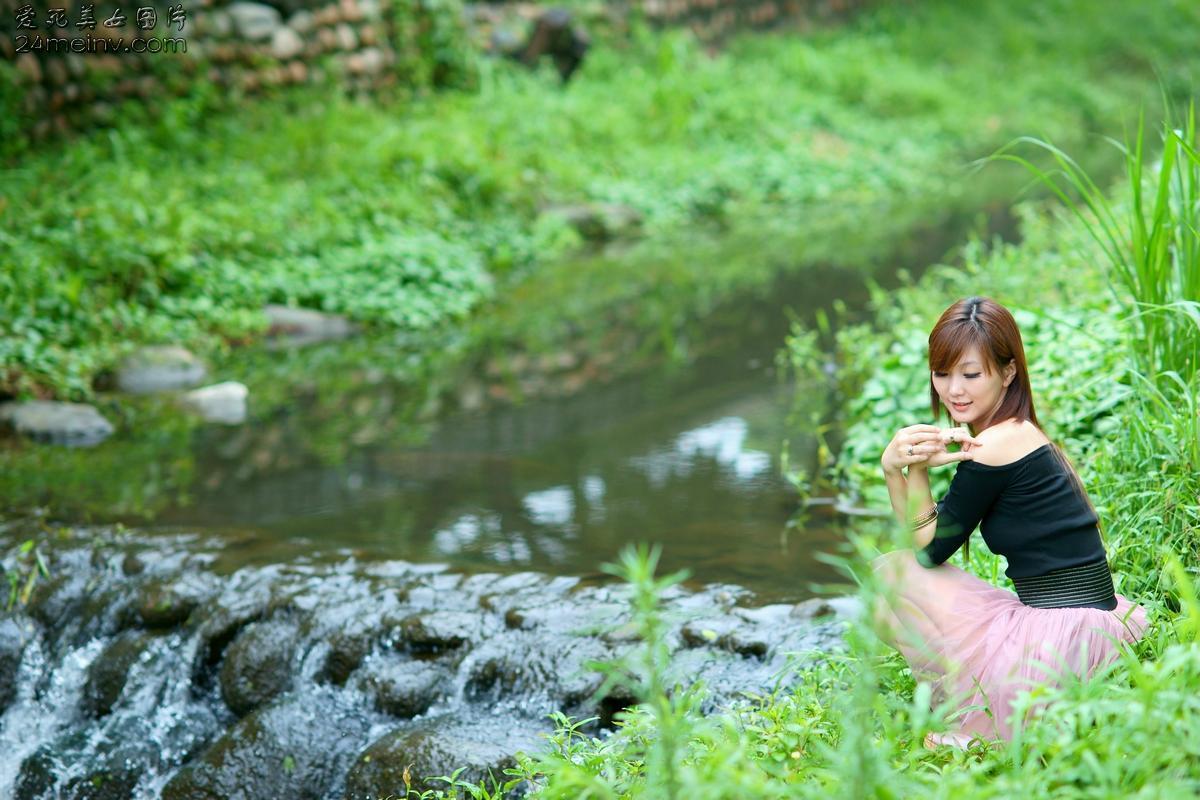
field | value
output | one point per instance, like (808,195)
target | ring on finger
(910,450)
(954,438)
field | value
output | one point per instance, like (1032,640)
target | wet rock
(104,776)
(297,747)
(167,603)
(223,403)
(772,615)
(755,643)
(15,633)
(437,631)
(218,622)
(813,608)
(627,632)
(159,368)
(708,632)
(37,776)
(258,665)
(57,602)
(825,607)
(402,688)
(517,666)
(71,424)
(298,326)
(437,747)
(346,653)
(600,221)
(107,675)
(117,782)
(112,759)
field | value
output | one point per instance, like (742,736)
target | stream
(311,613)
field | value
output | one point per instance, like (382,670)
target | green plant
(28,566)
(1152,243)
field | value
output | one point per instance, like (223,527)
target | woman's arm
(916,448)
(910,499)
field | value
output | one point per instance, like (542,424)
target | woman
(977,644)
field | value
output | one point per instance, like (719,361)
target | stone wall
(71,77)
(64,74)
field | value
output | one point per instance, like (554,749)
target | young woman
(977,644)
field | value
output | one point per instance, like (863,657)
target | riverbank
(409,218)
(855,725)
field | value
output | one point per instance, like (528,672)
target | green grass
(852,726)
(416,213)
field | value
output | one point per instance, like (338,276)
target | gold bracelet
(925,518)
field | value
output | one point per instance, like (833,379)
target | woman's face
(969,391)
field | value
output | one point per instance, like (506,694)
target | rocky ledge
(140,666)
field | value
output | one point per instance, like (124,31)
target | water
(354,579)
(687,458)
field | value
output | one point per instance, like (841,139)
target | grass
(852,725)
(416,214)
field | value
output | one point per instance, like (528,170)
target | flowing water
(334,591)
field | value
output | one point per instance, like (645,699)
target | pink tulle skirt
(979,646)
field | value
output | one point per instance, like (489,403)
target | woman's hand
(925,445)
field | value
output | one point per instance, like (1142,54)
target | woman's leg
(900,619)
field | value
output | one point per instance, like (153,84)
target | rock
(15,633)
(771,616)
(556,35)
(434,747)
(599,221)
(218,23)
(71,768)
(298,747)
(107,674)
(516,666)
(373,60)
(346,653)
(224,403)
(824,607)
(254,21)
(71,424)
(402,688)
(167,603)
(258,665)
(754,643)
(159,368)
(813,608)
(440,630)
(707,632)
(305,326)
(345,37)
(286,43)
(301,22)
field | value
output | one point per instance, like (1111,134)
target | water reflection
(686,459)
(721,441)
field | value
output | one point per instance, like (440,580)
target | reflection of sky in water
(721,441)
(465,531)
(553,506)
(552,511)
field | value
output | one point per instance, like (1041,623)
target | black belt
(1084,585)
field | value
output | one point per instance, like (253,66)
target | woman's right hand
(925,445)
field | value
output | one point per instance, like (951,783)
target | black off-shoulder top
(1028,511)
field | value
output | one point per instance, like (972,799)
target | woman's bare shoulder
(1006,442)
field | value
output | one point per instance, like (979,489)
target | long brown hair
(984,323)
